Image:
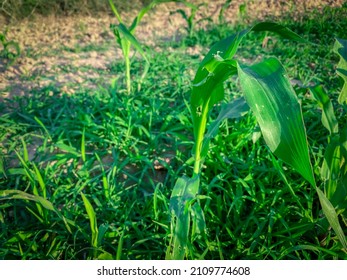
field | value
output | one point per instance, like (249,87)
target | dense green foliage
(106,162)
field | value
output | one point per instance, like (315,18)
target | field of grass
(94,170)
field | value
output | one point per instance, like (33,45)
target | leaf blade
(274,103)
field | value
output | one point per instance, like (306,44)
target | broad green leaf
(339,199)
(340,48)
(328,116)
(16,194)
(183,194)
(198,221)
(275,105)
(92,220)
(331,215)
(215,68)
(330,170)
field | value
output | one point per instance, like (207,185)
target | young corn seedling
(334,168)
(126,38)
(270,96)
(190,19)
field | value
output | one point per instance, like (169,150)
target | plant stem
(199,139)
(127,74)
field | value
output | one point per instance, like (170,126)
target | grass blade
(235,109)
(328,116)
(83,145)
(40,181)
(92,220)
(16,194)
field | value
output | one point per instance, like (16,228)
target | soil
(47,43)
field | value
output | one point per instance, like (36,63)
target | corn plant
(270,96)
(225,6)
(334,168)
(190,18)
(126,38)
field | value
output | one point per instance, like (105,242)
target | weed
(10,49)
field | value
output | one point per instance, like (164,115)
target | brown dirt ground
(49,38)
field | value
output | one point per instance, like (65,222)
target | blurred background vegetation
(19,9)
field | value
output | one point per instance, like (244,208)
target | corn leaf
(340,48)
(331,167)
(144,11)
(131,40)
(274,103)
(339,199)
(183,194)
(130,37)
(328,116)
(331,215)
(215,68)
(115,11)
(330,170)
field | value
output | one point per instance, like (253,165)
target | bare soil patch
(48,43)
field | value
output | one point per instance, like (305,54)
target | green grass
(125,152)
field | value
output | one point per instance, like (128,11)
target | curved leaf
(274,103)
(217,66)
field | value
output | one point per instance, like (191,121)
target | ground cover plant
(8,49)
(90,175)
